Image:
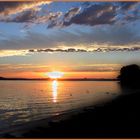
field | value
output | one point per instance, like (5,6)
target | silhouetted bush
(130,76)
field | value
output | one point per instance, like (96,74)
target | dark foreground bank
(116,119)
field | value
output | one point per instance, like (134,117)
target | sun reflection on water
(54,90)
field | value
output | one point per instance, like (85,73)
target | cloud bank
(94,14)
(99,27)
(44,68)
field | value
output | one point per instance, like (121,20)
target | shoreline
(66,79)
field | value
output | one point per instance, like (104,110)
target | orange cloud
(9,8)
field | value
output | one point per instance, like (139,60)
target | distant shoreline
(48,79)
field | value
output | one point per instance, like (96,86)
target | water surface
(24,101)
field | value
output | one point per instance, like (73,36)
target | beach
(118,118)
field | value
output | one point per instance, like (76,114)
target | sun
(55,74)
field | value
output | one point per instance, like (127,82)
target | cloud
(32,17)
(131,17)
(57,50)
(110,37)
(27,16)
(101,49)
(94,15)
(100,14)
(23,68)
(29,13)
(97,68)
(10,8)
(66,17)
(86,4)
(55,23)
(72,12)
(128,5)
(7,53)
(46,68)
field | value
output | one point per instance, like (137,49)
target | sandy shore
(115,119)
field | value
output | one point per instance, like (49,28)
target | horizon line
(62,79)
(71,0)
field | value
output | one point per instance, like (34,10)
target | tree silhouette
(130,75)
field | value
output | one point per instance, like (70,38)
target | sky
(81,39)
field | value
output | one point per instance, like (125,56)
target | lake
(25,101)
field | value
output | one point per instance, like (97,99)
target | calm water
(23,101)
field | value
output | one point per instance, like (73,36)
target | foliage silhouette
(130,76)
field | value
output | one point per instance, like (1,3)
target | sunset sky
(81,39)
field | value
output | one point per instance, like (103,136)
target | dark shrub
(130,75)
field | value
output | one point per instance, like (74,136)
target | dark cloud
(72,12)
(94,15)
(86,4)
(84,50)
(9,8)
(91,15)
(67,16)
(128,5)
(131,18)
(31,17)
(55,23)
(100,14)
(26,16)
(58,50)
(24,12)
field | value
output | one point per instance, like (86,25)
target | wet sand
(119,118)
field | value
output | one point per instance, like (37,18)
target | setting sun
(55,74)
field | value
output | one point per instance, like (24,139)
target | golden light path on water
(54,90)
